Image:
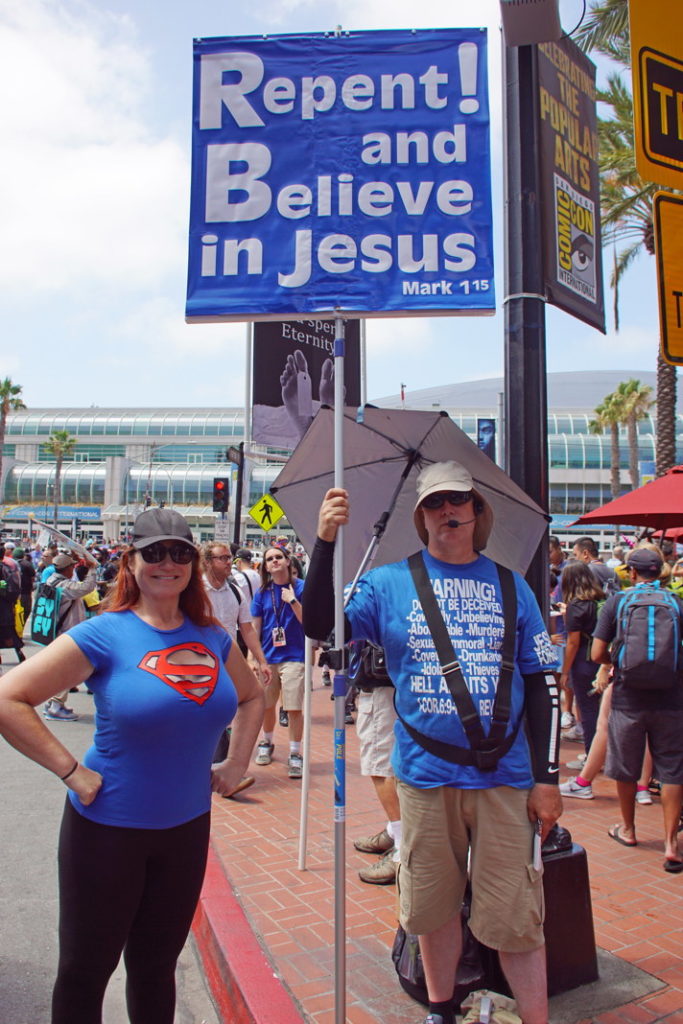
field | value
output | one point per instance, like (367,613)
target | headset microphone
(455,523)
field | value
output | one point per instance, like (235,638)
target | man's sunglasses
(181,554)
(434,501)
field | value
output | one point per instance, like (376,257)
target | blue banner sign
(344,173)
(45,512)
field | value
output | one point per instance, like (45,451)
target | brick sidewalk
(637,907)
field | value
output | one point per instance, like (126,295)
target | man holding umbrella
(474,788)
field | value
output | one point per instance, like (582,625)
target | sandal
(615,833)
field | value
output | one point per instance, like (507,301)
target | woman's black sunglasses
(434,501)
(181,554)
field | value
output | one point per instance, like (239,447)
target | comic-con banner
(344,172)
(293,375)
(570,186)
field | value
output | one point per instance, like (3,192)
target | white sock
(268,737)
(395,830)
(294,747)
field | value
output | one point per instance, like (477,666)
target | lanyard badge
(279,638)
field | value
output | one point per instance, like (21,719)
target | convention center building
(125,459)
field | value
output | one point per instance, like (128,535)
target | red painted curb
(242,980)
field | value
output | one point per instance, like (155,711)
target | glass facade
(87,452)
(174,454)
(34,483)
(138,423)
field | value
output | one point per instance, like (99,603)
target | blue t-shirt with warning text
(385,609)
(162,698)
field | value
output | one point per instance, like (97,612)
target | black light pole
(526,400)
(236,454)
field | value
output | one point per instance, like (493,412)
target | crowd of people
(191,650)
(629,718)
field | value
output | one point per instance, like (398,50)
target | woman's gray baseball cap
(155,524)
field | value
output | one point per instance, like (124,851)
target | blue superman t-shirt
(385,609)
(162,698)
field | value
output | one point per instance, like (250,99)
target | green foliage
(626,200)
(60,445)
(605,29)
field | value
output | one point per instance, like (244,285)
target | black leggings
(129,890)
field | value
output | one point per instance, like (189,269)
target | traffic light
(221,493)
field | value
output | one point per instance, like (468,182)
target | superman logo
(189,668)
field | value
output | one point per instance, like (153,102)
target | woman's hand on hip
(85,783)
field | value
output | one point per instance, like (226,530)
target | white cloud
(158,324)
(359,14)
(92,196)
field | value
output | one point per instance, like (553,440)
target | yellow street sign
(657,65)
(668,222)
(266,512)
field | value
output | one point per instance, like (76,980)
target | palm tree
(635,400)
(608,416)
(626,200)
(9,402)
(606,30)
(59,445)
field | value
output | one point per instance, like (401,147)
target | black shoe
(348,718)
(327,679)
(284,718)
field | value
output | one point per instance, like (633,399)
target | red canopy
(658,504)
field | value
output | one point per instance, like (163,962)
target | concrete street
(32,806)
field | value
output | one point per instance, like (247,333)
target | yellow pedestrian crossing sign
(266,512)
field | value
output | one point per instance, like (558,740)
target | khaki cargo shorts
(287,677)
(440,827)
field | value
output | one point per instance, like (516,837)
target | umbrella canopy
(675,533)
(658,504)
(384,450)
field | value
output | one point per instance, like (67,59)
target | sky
(94,208)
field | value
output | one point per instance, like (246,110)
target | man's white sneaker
(264,752)
(643,796)
(567,720)
(575,733)
(572,788)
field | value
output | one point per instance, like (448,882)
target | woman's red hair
(193,601)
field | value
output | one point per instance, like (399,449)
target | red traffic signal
(221,493)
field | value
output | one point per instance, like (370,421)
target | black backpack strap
(248,582)
(485,751)
(236,591)
(483,760)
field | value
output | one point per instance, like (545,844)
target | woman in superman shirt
(135,831)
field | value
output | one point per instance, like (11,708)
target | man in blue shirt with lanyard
(493,801)
(276,610)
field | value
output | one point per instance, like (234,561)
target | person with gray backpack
(71,611)
(644,626)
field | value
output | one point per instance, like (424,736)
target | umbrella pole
(305,782)
(339,698)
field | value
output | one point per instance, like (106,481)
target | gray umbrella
(384,450)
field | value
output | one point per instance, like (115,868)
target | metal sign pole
(339,698)
(305,786)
